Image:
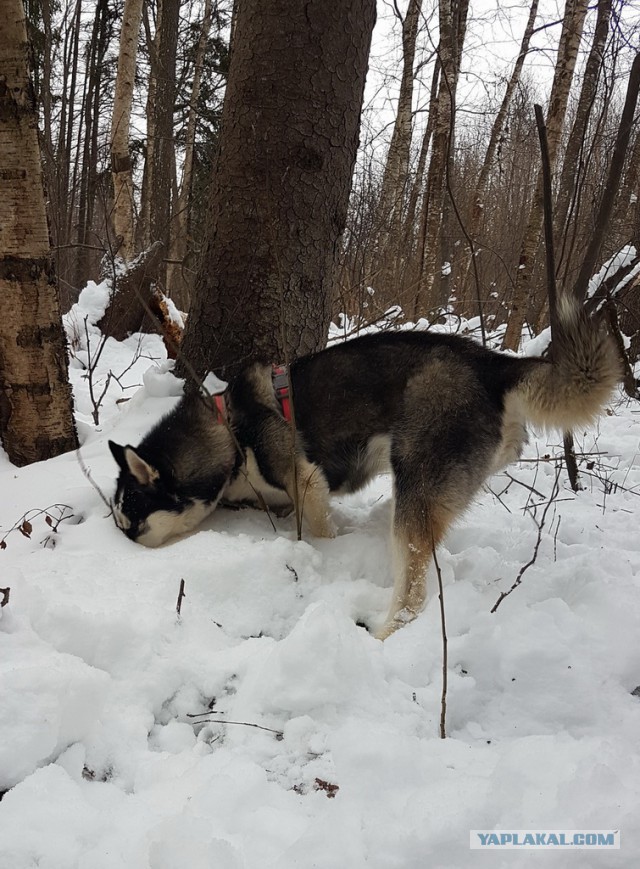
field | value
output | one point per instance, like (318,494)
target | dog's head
(147,507)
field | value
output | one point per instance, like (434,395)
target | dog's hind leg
(414,540)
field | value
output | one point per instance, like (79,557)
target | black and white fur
(439,411)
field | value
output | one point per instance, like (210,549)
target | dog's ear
(118,454)
(129,460)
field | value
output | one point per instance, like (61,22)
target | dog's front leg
(308,488)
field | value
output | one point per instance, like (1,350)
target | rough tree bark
(36,419)
(574,15)
(281,183)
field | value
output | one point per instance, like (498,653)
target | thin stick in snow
(445,657)
(181,595)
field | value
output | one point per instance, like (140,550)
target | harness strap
(282,387)
(221,409)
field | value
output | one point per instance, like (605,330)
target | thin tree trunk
(163,148)
(397,165)
(417,186)
(123,195)
(571,165)
(574,15)
(178,287)
(616,166)
(452,17)
(36,419)
(95,69)
(494,139)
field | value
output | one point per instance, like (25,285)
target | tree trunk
(577,138)
(163,154)
(281,183)
(36,419)
(416,189)
(123,196)
(178,288)
(489,157)
(452,17)
(96,54)
(574,15)
(397,166)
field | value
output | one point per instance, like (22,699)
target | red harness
(221,409)
(281,387)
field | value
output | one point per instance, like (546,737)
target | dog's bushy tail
(575,387)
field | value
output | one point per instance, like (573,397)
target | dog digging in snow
(439,411)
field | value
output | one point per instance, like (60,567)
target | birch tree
(123,192)
(36,420)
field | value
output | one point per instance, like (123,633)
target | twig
(532,560)
(181,595)
(87,473)
(524,485)
(23,524)
(5,592)
(279,734)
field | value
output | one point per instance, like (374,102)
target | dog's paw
(392,624)
(327,529)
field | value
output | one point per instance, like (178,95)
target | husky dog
(439,411)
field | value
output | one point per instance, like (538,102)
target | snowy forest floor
(263,727)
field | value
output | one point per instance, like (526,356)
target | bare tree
(578,136)
(397,164)
(452,19)
(178,287)
(573,22)
(163,154)
(496,132)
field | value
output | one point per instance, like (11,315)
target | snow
(116,747)
(619,260)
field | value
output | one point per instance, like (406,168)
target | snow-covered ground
(262,727)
